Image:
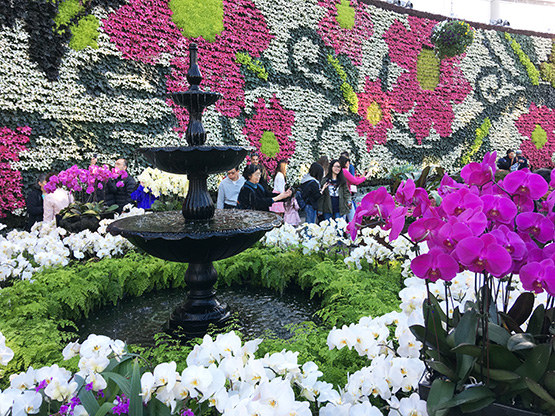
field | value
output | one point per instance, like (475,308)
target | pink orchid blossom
(457,202)
(449,235)
(434,265)
(525,183)
(480,173)
(537,225)
(499,209)
(512,242)
(424,229)
(539,276)
(484,254)
(448,185)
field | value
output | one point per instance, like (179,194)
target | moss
(427,69)
(345,15)
(269,145)
(255,66)
(532,71)
(539,137)
(85,33)
(198,18)
(481,133)
(67,10)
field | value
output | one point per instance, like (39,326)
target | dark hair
(249,171)
(345,153)
(343,161)
(340,177)
(41,177)
(316,171)
(325,163)
(280,167)
(124,161)
(263,172)
(509,151)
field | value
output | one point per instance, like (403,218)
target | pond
(255,310)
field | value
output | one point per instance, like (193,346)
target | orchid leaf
(536,323)
(536,362)
(443,368)
(496,334)
(465,333)
(426,337)
(440,393)
(135,402)
(503,359)
(123,383)
(510,323)
(519,342)
(471,395)
(105,408)
(549,382)
(539,391)
(468,349)
(477,405)
(522,308)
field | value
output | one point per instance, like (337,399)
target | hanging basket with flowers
(451,38)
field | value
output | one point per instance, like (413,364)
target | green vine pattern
(349,94)
(253,65)
(532,71)
(481,134)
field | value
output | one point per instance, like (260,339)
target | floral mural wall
(299,79)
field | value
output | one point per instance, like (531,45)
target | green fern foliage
(85,33)
(67,10)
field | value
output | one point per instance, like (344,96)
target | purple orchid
(448,185)
(395,222)
(539,276)
(459,201)
(424,228)
(434,265)
(376,203)
(405,192)
(525,183)
(499,209)
(484,254)
(480,173)
(449,235)
(537,225)
(514,245)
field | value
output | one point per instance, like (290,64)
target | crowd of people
(513,161)
(326,191)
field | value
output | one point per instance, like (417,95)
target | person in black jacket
(508,162)
(120,195)
(253,195)
(35,201)
(310,191)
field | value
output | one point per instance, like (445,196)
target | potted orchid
(86,185)
(496,346)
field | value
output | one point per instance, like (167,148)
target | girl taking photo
(336,200)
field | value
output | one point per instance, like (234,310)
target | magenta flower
(434,265)
(539,276)
(376,203)
(524,203)
(525,183)
(484,254)
(499,209)
(374,106)
(424,229)
(448,185)
(480,173)
(536,225)
(344,40)
(448,236)
(395,222)
(538,125)
(459,201)
(405,192)
(276,122)
(512,242)
(430,107)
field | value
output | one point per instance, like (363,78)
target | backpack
(300,199)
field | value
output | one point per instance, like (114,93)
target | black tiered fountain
(199,234)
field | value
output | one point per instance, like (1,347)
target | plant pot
(494,409)
(78,223)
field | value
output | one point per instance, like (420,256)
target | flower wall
(300,79)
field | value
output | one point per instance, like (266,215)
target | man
(255,160)
(119,195)
(522,161)
(508,162)
(229,189)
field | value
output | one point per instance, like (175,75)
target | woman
(279,186)
(336,201)
(253,195)
(35,201)
(352,182)
(325,163)
(55,202)
(311,192)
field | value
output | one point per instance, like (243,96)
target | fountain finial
(194,76)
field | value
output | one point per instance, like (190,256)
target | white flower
(165,375)
(6,354)
(71,350)
(60,390)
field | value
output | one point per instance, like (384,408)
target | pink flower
(430,107)
(12,143)
(448,185)
(424,229)
(434,265)
(374,107)
(459,201)
(539,276)
(347,41)
(480,173)
(395,222)
(499,209)
(272,119)
(535,224)
(512,242)
(525,183)
(376,203)
(538,125)
(484,254)
(119,184)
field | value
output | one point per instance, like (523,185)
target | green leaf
(105,408)
(465,333)
(536,362)
(426,337)
(135,402)
(536,321)
(497,334)
(477,405)
(519,342)
(470,395)
(522,308)
(440,393)
(539,391)
(549,382)
(468,349)
(503,359)
(510,323)
(157,408)
(123,383)
(443,369)
(497,375)
(88,401)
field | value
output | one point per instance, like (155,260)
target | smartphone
(95,156)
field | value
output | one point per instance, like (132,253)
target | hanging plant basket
(451,38)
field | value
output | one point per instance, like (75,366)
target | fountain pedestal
(199,234)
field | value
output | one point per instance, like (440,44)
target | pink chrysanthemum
(539,126)
(375,109)
(432,105)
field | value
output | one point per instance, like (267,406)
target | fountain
(199,234)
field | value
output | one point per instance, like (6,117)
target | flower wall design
(299,79)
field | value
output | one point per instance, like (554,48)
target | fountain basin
(168,236)
(203,160)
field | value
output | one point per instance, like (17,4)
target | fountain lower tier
(167,235)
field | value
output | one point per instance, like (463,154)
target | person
(253,195)
(291,214)
(279,186)
(325,163)
(35,202)
(264,177)
(352,169)
(119,196)
(336,201)
(255,159)
(229,189)
(508,162)
(352,182)
(522,161)
(55,202)
(310,190)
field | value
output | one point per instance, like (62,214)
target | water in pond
(257,310)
